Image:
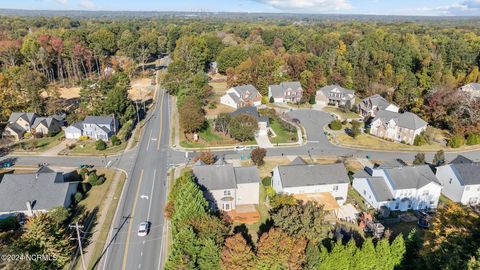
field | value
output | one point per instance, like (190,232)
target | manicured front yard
(343,115)
(210,138)
(38,145)
(282,135)
(88,148)
(367,141)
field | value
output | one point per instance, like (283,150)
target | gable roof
(99,120)
(461,159)
(467,173)
(473,86)
(16,128)
(298,161)
(250,110)
(379,189)
(312,174)
(376,101)
(337,88)
(405,120)
(278,90)
(242,90)
(410,177)
(218,177)
(29,117)
(46,121)
(43,190)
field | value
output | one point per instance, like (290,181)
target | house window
(397,206)
(335,188)
(364,192)
(425,193)
(450,181)
(227,193)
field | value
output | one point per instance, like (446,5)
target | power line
(77,228)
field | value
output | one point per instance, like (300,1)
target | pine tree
(184,250)
(237,254)
(209,256)
(382,250)
(366,257)
(397,251)
(312,257)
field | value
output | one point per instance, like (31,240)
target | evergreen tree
(184,250)
(312,257)
(209,256)
(397,251)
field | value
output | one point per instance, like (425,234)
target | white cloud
(308,5)
(465,8)
(88,4)
(63,2)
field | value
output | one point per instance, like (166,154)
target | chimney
(29,209)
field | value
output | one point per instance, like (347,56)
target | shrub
(100,145)
(312,100)
(473,139)
(27,135)
(93,179)
(264,100)
(420,139)
(208,157)
(282,199)
(272,100)
(267,181)
(83,138)
(38,135)
(85,187)
(258,154)
(212,105)
(335,125)
(83,172)
(78,197)
(419,159)
(116,140)
(456,141)
(356,128)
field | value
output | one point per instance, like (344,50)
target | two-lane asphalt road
(143,199)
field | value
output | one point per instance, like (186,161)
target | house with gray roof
(47,125)
(371,105)
(93,127)
(401,127)
(399,188)
(285,92)
(263,123)
(335,95)
(242,96)
(471,89)
(19,123)
(225,186)
(329,181)
(34,193)
(461,181)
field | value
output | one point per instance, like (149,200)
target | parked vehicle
(240,148)
(86,166)
(143,229)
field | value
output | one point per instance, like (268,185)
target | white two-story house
(461,182)
(285,92)
(225,187)
(93,127)
(335,95)
(399,188)
(242,96)
(324,183)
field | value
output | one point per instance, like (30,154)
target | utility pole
(77,228)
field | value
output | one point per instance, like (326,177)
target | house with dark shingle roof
(401,127)
(93,127)
(46,125)
(371,105)
(19,123)
(242,96)
(286,92)
(399,188)
(335,95)
(461,181)
(325,183)
(225,186)
(34,193)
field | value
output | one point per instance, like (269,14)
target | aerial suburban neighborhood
(240,135)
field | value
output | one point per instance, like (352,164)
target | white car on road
(240,148)
(143,229)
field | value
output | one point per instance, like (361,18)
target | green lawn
(39,145)
(340,112)
(210,138)
(88,148)
(354,196)
(283,135)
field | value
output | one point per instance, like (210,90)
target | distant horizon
(424,8)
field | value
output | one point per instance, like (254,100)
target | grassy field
(105,227)
(210,138)
(340,112)
(38,145)
(367,141)
(283,135)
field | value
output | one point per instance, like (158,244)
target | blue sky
(386,7)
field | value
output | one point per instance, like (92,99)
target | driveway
(57,148)
(313,121)
(263,141)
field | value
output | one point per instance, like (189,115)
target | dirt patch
(218,83)
(141,89)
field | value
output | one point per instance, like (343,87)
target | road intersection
(147,166)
